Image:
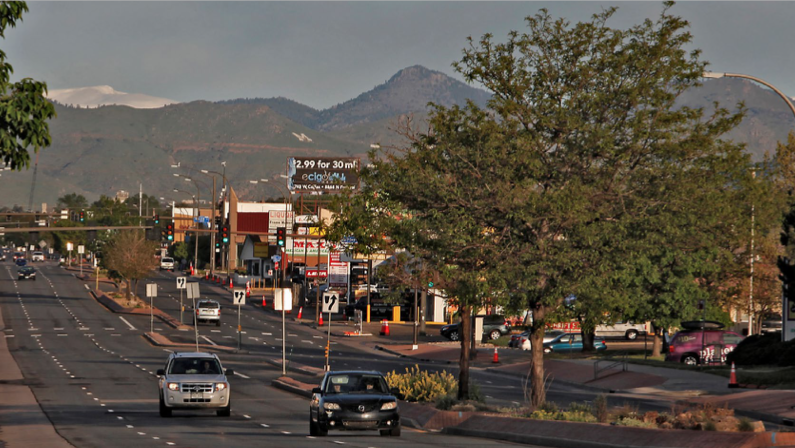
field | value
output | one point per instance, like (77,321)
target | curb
(530,439)
(289,385)
(295,367)
(159,343)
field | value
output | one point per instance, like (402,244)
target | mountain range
(107,148)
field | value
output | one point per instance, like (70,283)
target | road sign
(283,298)
(181,282)
(81,249)
(276,258)
(331,302)
(239,296)
(151,290)
(193,290)
(270,272)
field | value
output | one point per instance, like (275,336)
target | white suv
(167,263)
(194,381)
(208,310)
(37,256)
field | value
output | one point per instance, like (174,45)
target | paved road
(93,373)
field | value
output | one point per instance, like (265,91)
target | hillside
(102,150)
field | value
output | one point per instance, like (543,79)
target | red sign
(568,327)
(312,273)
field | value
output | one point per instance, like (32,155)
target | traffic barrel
(733,379)
(384,328)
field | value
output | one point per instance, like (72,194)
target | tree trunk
(128,291)
(656,346)
(537,391)
(463,361)
(587,340)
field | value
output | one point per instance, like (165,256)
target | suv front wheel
(690,360)
(164,411)
(495,334)
(225,411)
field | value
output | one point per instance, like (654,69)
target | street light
(718,75)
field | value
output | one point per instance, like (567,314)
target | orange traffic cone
(300,312)
(733,379)
(264,303)
(231,285)
(384,328)
(320,320)
(496,356)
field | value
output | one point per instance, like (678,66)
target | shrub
(600,408)
(422,386)
(634,423)
(757,349)
(744,425)
(445,402)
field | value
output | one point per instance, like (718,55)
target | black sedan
(26,272)
(354,400)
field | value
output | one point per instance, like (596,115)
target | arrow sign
(239,296)
(331,302)
(181,282)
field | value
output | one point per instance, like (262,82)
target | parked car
(354,400)
(771,323)
(702,342)
(194,381)
(209,311)
(494,326)
(571,342)
(37,256)
(626,330)
(521,340)
(26,272)
(167,263)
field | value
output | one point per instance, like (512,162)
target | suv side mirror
(160,372)
(316,390)
(230,372)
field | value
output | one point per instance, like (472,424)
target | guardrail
(613,363)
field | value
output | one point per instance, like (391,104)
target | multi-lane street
(93,373)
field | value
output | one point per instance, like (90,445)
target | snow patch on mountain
(96,96)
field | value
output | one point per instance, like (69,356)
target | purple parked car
(702,342)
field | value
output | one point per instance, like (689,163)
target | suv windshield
(194,366)
(356,384)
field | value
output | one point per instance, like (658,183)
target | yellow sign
(261,250)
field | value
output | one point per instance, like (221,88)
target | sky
(324,53)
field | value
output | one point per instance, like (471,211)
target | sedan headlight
(173,386)
(389,406)
(331,406)
(220,386)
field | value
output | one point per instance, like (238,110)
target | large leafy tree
(131,256)
(23,109)
(72,201)
(599,182)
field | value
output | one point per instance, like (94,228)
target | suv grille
(196,387)
(367,407)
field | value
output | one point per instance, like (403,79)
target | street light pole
(718,75)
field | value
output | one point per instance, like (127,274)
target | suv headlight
(331,406)
(389,406)
(173,386)
(220,386)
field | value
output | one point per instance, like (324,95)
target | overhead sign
(331,302)
(323,173)
(239,296)
(181,282)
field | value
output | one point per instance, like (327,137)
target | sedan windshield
(195,366)
(356,384)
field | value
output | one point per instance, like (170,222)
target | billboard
(323,174)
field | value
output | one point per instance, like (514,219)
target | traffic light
(157,219)
(225,234)
(280,232)
(82,216)
(170,232)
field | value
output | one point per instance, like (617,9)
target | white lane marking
(286,432)
(62,334)
(128,324)
(208,340)
(215,331)
(264,425)
(267,334)
(57,329)
(110,328)
(242,376)
(246,416)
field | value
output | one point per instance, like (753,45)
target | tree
(594,163)
(72,201)
(132,257)
(24,110)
